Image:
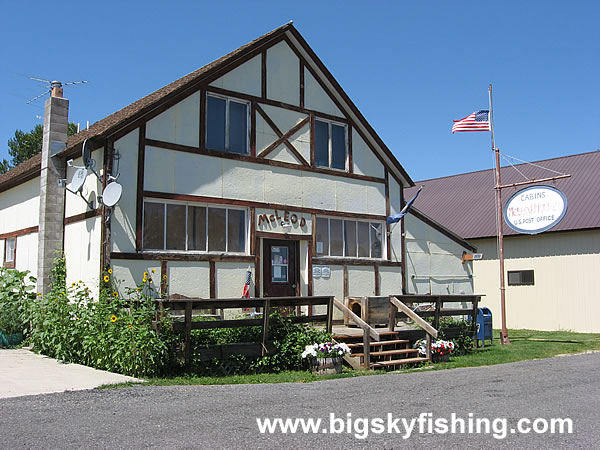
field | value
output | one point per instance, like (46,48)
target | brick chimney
(52,197)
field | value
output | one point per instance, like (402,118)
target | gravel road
(225,416)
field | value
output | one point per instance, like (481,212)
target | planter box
(326,366)
(436,357)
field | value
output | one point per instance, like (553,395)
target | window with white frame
(330,144)
(9,250)
(193,227)
(226,124)
(349,238)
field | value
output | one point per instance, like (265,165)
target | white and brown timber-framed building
(257,159)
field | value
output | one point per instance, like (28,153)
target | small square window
(520,278)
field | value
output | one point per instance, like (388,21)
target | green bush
(289,340)
(17,289)
(110,333)
(464,341)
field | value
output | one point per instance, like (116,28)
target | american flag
(478,121)
(246,291)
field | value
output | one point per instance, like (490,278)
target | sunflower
(109,270)
(153,270)
(115,294)
(139,289)
(149,280)
(130,326)
(39,294)
(106,278)
(72,284)
(113,318)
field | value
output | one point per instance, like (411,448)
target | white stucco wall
(92,188)
(364,160)
(361,281)
(316,98)
(390,279)
(82,245)
(210,176)
(566,290)
(20,206)
(123,221)
(245,79)
(230,279)
(330,286)
(26,257)
(434,261)
(283,74)
(180,124)
(191,279)
(129,274)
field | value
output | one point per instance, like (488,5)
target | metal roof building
(553,277)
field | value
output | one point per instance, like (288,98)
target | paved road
(225,416)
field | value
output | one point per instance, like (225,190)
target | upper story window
(330,144)
(10,246)
(349,238)
(226,124)
(191,227)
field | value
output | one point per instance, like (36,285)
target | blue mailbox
(484,326)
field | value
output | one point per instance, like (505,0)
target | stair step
(399,362)
(380,343)
(403,351)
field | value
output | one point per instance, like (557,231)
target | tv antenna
(52,86)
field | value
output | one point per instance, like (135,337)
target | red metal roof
(465,203)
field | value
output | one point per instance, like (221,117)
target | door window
(279,264)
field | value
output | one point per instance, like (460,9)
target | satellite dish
(78,179)
(86,153)
(112,193)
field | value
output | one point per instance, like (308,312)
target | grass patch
(301,376)
(525,344)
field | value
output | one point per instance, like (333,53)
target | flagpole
(499,219)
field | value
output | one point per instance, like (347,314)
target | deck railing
(268,304)
(368,331)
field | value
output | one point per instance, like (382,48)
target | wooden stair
(388,353)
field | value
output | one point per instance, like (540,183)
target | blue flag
(396,217)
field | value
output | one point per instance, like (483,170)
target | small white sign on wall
(316,271)
(326,271)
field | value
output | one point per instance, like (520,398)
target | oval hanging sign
(535,209)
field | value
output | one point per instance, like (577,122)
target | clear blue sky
(410,67)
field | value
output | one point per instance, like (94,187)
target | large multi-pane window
(226,124)
(330,145)
(191,227)
(349,238)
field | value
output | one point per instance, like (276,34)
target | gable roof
(465,203)
(187,84)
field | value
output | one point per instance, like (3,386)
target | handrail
(415,317)
(357,320)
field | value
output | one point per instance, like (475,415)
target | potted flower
(325,358)
(440,350)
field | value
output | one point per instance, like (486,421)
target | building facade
(256,161)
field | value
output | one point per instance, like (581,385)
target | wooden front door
(280,268)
